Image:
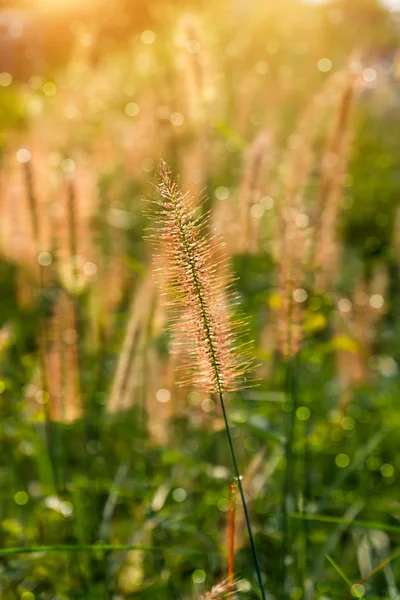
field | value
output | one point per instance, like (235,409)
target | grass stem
(291,391)
(241,491)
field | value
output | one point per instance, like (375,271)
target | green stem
(241,491)
(291,391)
(307,500)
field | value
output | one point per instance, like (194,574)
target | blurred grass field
(115,481)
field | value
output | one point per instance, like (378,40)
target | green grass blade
(103,548)
(356,592)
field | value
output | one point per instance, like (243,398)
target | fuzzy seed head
(219,591)
(194,275)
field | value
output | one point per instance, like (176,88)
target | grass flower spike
(196,282)
(219,591)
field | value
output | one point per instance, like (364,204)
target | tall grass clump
(195,278)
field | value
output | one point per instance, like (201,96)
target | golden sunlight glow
(63,5)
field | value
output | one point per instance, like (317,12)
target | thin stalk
(146,344)
(307,500)
(302,543)
(73,245)
(63,461)
(291,390)
(231,539)
(244,503)
(42,341)
(197,282)
(73,250)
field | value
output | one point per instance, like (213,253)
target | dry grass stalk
(43,333)
(120,396)
(62,364)
(198,82)
(257,159)
(333,169)
(22,227)
(195,64)
(225,222)
(294,231)
(55,387)
(141,372)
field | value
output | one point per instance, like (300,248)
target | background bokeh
(284,116)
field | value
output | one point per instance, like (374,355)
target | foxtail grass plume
(333,170)
(295,173)
(295,232)
(257,163)
(218,591)
(195,65)
(61,361)
(199,97)
(122,387)
(196,283)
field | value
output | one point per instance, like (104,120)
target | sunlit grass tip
(206,327)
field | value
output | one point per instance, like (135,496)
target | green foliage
(373,181)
